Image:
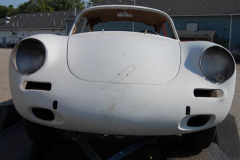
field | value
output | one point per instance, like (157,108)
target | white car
(122,70)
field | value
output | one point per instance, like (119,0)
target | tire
(201,139)
(42,134)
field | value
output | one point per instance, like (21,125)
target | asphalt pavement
(5,93)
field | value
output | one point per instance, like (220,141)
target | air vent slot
(43,114)
(188,110)
(44,86)
(198,121)
(214,93)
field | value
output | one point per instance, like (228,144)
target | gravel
(235,109)
(6,95)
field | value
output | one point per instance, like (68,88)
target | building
(221,16)
(219,20)
(19,26)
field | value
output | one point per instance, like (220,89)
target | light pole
(134,2)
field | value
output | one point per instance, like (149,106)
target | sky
(15,3)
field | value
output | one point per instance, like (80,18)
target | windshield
(131,20)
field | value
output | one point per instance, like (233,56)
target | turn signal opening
(188,110)
(37,86)
(198,121)
(55,105)
(43,114)
(214,93)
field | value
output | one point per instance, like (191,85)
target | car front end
(122,83)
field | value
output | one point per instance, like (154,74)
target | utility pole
(75,9)
(90,3)
(134,2)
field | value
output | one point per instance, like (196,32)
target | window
(123,26)
(23,34)
(192,27)
(132,20)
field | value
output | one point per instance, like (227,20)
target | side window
(192,27)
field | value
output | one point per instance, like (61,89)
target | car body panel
(123,57)
(123,109)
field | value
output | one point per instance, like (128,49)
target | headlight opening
(217,64)
(28,56)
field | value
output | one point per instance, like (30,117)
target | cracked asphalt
(5,93)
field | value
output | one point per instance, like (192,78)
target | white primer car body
(120,82)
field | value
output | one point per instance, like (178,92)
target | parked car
(122,70)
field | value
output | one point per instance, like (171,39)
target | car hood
(123,57)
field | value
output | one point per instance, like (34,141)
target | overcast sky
(15,3)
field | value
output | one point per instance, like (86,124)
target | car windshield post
(85,20)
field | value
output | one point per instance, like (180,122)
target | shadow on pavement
(8,114)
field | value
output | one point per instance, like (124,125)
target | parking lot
(6,95)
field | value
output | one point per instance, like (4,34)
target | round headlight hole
(28,56)
(217,64)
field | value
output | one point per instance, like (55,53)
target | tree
(60,5)
(11,10)
(34,6)
(7,11)
(3,11)
(50,5)
(41,6)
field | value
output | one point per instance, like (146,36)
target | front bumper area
(121,109)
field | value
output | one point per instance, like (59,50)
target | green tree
(60,5)
(3,11)
(34,6)
(49,5)
(7,11)
(11,10)
(41,6)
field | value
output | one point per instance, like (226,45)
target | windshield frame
(80,16)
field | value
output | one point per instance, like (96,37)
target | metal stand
(93,155)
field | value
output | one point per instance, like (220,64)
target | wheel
(42,134)
(201,139)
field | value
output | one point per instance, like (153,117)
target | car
(122,70)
